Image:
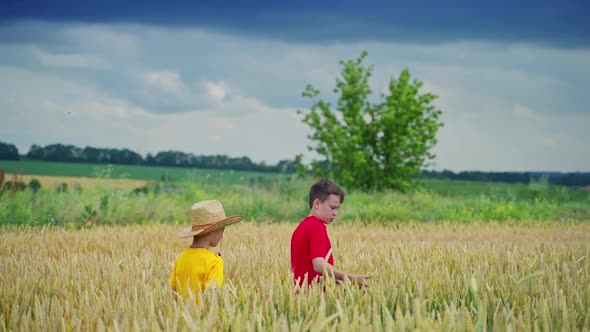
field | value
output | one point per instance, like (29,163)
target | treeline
(70,153)
(567,179)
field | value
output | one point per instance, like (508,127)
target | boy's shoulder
(310,223)
(203,253)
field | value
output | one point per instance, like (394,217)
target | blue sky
(213,79)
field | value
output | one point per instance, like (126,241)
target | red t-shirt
(310,240)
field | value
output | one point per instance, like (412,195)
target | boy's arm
(320,265)
(215,276)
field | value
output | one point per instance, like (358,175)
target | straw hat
(208,216)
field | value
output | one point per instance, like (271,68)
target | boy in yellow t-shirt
(196,267)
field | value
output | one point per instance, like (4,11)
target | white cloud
(209,93)
(65,60)
(552,141)
(217,90)
(522,111)
(102,39)
(222,123)
(168,81)
(96,119)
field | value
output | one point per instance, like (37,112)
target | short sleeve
(216,273)
(319,243)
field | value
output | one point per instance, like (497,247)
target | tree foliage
(372,145)
(8,151)
(71,153)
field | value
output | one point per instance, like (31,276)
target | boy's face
(216,237)
(327,210)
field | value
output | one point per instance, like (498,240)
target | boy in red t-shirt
(310,243)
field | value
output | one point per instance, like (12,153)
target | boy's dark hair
(322,189)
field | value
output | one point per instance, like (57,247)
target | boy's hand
(361,280)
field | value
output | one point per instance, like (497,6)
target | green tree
(372,145)
(8,151)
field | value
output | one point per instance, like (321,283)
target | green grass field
(445,188)
(150,173)
(516,191)
(273,197)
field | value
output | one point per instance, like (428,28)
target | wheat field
(443,276)
(51,182)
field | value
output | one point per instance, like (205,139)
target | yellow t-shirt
(198,268)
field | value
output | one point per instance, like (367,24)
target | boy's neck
(316,216)
(200,242)
(313,213)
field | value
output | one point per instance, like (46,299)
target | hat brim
(188,232)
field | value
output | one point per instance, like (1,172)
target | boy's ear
(316,203)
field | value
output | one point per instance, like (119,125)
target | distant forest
(70,153)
